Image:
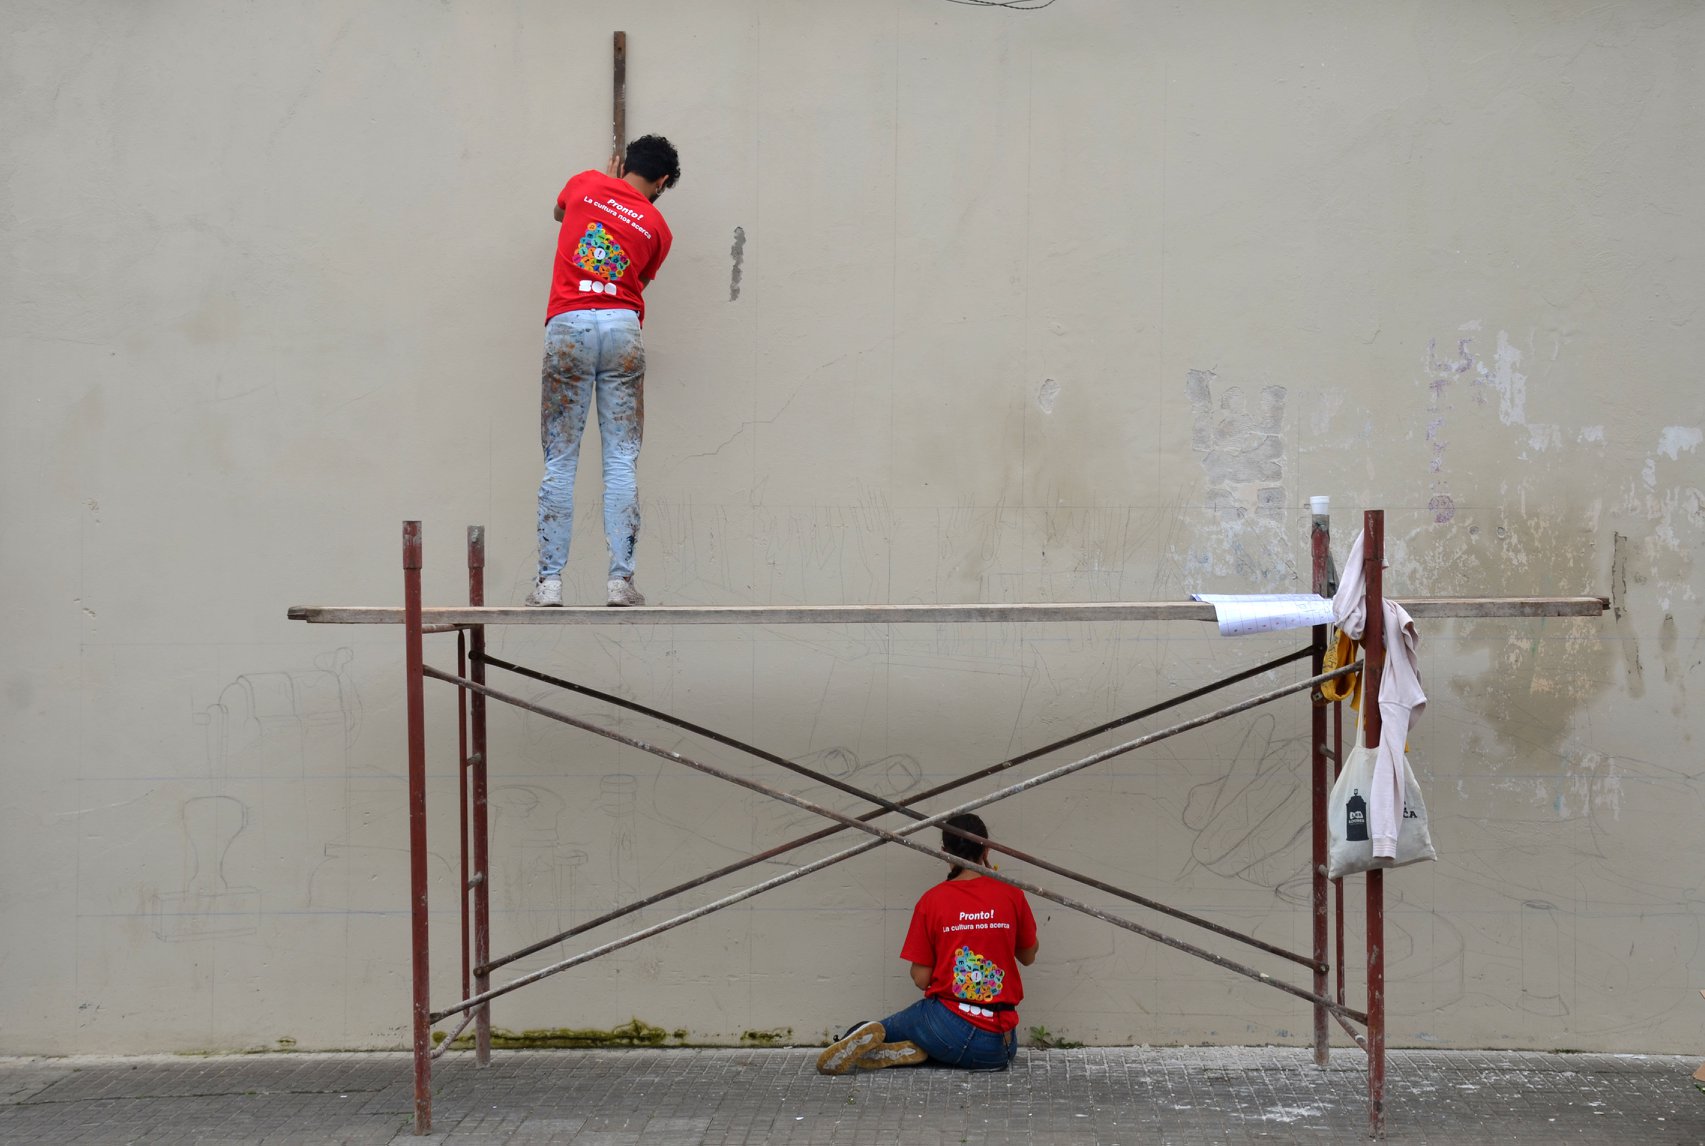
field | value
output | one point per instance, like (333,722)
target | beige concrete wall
(1069,304)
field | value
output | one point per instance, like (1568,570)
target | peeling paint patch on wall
(1242,455)
(1511,385)
(1499,375)
(1675,439)
(1239,446)
(1676,513)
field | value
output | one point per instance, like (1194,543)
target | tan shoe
(891,1054)
(842,1055)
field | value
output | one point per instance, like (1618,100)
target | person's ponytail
(956,845)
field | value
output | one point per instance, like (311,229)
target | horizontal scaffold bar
(1421,608)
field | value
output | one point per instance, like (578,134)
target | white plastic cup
(1318,505)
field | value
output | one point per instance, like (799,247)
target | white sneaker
(623,594)
(547,591)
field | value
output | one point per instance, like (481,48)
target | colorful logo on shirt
(600,254)
(975,979)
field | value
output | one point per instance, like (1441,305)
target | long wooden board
(1421,608)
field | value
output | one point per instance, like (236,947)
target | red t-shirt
(969,931)
(611,244)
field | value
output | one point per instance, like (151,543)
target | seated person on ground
(969,935)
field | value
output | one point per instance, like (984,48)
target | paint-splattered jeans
(591,355)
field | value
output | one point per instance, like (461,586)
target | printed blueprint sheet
(1243,613)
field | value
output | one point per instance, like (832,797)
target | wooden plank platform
(1421,608)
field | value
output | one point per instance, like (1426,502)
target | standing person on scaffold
(969,934)
(612,242)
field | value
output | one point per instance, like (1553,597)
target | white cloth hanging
(1401,700)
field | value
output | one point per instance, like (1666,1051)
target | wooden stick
(619,133)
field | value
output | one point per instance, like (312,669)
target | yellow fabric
(1338,654)
(1341,653)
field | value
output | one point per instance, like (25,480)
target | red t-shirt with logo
(612,242)
(969,931)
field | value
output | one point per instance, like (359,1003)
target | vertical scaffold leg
(1376,1004)
(415,684)
(463,910)
(1319,539)
(1338,884)
(481,825)
(1373,655)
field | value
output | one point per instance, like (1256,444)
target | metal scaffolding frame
(470,679)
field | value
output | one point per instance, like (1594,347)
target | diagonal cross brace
(883,835)
(886,806)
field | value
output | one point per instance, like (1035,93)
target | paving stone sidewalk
(680,1097)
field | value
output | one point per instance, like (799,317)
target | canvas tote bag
(1349,847)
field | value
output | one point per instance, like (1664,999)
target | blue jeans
(948,1038)
(591,356)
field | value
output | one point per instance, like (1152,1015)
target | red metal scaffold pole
(415,687)
(1338,884)
(462,769)
(1319,542)
(1373,659)
(481,878)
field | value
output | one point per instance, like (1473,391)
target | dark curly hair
(653,157)
(955,845)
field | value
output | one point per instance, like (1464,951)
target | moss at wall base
(633,1033)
